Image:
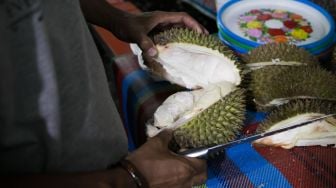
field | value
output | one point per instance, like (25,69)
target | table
(241,166)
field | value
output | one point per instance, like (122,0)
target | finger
(147,46)
(205,30)
(200,179)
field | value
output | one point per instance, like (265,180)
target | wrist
(138,179)
(123,180)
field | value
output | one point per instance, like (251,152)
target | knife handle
(196,152)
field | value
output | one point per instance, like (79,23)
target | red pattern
(304,166)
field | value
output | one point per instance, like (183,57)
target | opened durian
(271,54)
(296,111)
(273,86)
(193,60)
(201,117)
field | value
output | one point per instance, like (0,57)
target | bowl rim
(325,39)
(244,47)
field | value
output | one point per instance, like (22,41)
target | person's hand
(163,168)
(135,28)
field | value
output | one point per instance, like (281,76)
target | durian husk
(289,114)
(187,36)
(279,51)
(272,86)
(184,35)
(217,124)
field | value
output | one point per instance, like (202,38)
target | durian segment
(195,66)
(195,60)
(183,106)
(273,86)
(279,54)
(219,123)
(296,111)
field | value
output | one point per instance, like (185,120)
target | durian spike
(272,86)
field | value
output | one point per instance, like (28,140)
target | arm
(116,177)
(159,166)
(134,28)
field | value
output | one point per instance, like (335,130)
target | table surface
(240,166)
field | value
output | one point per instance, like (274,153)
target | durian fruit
(272,86)
(193,60)
(184,106)
(296,111)
(219,123)
(278,54)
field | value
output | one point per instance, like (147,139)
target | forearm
(99,12)
(116,177)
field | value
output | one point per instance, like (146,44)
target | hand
(163,168)
(135,28)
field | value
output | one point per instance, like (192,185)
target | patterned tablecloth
(240,166)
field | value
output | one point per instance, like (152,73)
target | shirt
(56,111)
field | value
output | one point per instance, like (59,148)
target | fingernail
(199,30)
(206,31)
(152,52)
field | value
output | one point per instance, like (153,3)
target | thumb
(165,136)
(148,47)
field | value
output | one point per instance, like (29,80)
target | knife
(203,152)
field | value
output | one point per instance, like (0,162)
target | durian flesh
(196,66)
(318,133)
(321,133)
(192,60)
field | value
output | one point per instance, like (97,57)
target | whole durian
(278,54)
(220,123)
(193,60)
(299,110)
(273,86)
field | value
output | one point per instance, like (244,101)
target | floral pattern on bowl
(269,25)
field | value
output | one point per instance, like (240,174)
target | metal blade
(203,152)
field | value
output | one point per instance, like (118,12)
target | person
(59,126)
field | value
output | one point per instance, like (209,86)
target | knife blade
(203,152)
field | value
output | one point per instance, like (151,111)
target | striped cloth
(240,166)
